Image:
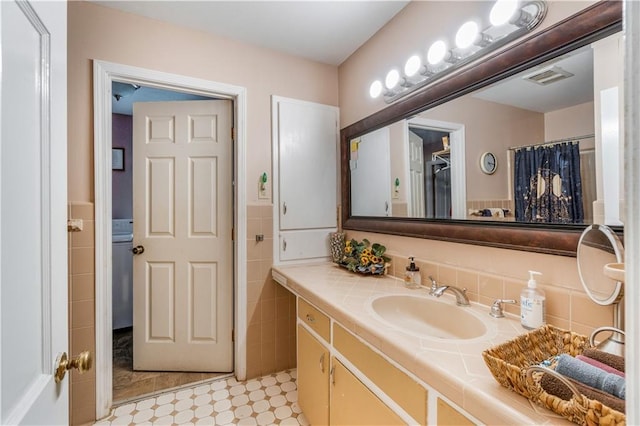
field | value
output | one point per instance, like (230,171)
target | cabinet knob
(311,318)
(284,208)
(322,363)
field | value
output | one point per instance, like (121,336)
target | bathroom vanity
(361,361)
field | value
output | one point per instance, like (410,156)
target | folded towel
(552,385)
(591,376)
(600,365)
(612,360)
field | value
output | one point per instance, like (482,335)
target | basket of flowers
(365,258)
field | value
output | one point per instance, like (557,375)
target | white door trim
(104,73)
(458,161)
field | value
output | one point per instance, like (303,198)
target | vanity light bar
(509,21)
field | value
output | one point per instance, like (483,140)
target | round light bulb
(437,52)
(375,89)
(467,34)
(412,66)
(502,11)
(392,79)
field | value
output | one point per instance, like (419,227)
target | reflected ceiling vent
(548,75)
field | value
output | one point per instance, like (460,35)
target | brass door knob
(138,250)
(82,363)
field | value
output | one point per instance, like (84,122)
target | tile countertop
(454,368)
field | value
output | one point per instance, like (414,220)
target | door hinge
(233,335)
(233,133)
(233,234)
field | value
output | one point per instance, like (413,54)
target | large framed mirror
(454,163)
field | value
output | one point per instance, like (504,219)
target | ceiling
(575,90)
(323,31)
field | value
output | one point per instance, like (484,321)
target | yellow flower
(376,259)
(364,259)
(348,249)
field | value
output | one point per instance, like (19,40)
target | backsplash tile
(490,273)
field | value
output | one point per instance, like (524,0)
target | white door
(416,174)
(371,176)
(33,199)
(183,217)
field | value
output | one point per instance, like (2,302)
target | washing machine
(122,273)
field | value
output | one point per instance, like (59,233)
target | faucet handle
(496,308)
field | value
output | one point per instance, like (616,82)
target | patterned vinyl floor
(266,400)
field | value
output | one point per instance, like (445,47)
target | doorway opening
(105,74)
(129,383)
(437,170)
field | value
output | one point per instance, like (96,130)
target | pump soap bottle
(412,277)
(532,304)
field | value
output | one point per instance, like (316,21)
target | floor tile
(268,400)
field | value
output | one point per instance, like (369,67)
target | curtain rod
(554,142)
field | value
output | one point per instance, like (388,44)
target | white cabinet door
(307,146)
(33,213)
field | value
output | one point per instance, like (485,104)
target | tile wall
(82,312)
(567,305)
(271,310)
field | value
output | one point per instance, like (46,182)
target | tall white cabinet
(305,159)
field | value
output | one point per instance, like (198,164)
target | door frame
(457,143)
(104,73)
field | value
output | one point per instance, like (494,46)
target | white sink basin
(425,317)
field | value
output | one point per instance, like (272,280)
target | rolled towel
(591,376)
(552,385)
(612,360)
(600,365)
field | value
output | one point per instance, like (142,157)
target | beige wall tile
(84,238)
(282,308)
(266,248)
(82,314)
(267,227)
(447,275)
(490,286)
(254,250)
(267,211)
(254,290)
(254,333)
(254,211)
(557,302)
(83,339)
(254,227)
(81,210)
(82,287)
(84,394)
(254,312)
(254,356)
(268,309)
(253,270)
(268,332)
(468,280)
(268,361)
(585,312)
(82,261)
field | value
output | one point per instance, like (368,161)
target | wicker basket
(510,361)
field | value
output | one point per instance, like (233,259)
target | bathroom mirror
(453,223)
(597,247)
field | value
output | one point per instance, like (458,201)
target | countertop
(454,368)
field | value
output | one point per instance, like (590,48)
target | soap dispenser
(412,277)
(532,304)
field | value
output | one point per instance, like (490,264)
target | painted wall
(411,31)
(97,32)
(122,180)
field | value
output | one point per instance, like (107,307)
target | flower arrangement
(365,258)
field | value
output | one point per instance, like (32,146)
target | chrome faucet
(438,290)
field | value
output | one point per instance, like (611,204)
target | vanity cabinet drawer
(405,391)
(315,319)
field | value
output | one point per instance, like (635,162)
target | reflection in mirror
(599,246)
(540,125)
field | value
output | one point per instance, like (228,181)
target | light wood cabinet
(352,403)
(449,416)
(313,378)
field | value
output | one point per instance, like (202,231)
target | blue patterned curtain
(548,187)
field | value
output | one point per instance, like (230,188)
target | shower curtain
(548,187)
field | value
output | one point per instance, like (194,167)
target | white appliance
(122,273)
